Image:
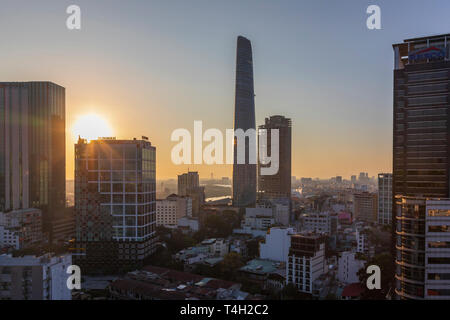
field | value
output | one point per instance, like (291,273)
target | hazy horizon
(148,68)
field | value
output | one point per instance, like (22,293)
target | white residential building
(362,241)
(277,244)
(348,267)
(256,221)
(171,209)
(35,278)
(189,223)
(306,261)
(323,222)
(281,214)
(20,228)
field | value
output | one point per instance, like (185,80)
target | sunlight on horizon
(91,127)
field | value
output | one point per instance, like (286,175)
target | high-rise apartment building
(278,185)
(385,198)
(187,181)
(306,261)
(244,174)
(114,204)
(421,157)
(365,206)
(32,148)
(189,186)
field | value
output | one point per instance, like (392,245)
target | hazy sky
(149,67)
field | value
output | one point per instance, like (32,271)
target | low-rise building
(323,222)
(155,283)
(276,245)
(206,249)
(258,271)
(20,228)
(34,278)
(348,267)
(171,209)
(189,224)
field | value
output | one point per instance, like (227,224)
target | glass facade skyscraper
(421,154)
(115,187)
(277,186)
(244,175)
(32,119)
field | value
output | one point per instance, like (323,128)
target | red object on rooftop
(353,290)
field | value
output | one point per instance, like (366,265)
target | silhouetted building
(114,204)
(33,148)
(278,185)
(189,186)
(385,198)
(244,175)
(187,181)
(421,156)
(365,206)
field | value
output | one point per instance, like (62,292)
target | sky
(150,67)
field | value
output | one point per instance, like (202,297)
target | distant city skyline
(337,89)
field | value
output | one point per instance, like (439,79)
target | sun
(91,127)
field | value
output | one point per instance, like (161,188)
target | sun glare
(91,127)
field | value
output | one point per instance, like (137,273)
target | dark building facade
(421,150)
(115,204)
(189,186)
(244,175)
(277,186)
(32,134)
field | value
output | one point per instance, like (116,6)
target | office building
(306,261)
(385,198)
(188,181)
(189,186)
(114,204)
(34,278)
(32,148)
(278,185)
(365,206)
(171,209)
(420,157)
(244,174)
(423,248)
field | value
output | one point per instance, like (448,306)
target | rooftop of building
(432,37)
(353,290)
(9,260)
(113,140)
(262,266)
(163,283)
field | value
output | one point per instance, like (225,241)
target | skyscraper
(187,181)
(14,160)
(277,186)
(421,154)
(189,185)
(33,147)
(385,198)
(115,204)
(244,175)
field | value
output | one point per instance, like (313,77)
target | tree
(230,265)
(384,261)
